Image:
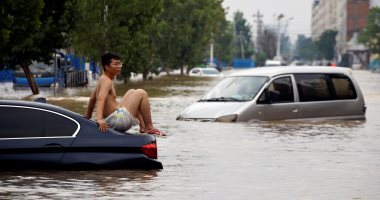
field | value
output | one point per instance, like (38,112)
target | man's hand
(103,126)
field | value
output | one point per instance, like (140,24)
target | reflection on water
(332,159)
(73,184)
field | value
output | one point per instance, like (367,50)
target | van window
(195,71)
(343,87)
(283,90)
(17,122)
(313,87)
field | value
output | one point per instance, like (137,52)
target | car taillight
(150,150)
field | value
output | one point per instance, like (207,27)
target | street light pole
(241,45)
(278,56)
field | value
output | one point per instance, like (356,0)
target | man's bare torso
(110,103)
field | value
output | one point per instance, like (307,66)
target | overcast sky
(299,10)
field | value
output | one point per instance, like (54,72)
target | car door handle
(53,148)
(295,110)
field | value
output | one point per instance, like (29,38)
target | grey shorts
(121,120)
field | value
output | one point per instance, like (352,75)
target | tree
(117,26)
(370,35)
(33,31)
(305,48)
(267,42)
(202,22)
(326,44)
(243,43)
(185,31)
(223,41)
(285,47)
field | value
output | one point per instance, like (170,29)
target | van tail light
(150,150)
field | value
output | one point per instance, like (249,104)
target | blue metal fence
(243,63)
(6,75)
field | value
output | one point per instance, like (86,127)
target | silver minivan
(278,93)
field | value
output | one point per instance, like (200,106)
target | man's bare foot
(156,132)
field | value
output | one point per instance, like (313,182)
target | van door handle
(295,110)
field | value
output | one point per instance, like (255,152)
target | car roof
(275,71)
(38,105)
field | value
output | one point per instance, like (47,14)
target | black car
(35,135)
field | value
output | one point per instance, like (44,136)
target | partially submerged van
(281,93)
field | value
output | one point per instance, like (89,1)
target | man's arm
(104,89)
(91,105)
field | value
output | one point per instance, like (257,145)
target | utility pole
(212,53)
(241,45)
(259,24)
(278,56)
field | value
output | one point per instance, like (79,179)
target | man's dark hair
(107,57)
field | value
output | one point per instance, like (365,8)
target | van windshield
(236,88)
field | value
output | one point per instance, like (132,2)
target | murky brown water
(267,160)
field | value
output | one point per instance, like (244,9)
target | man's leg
(137,103)
(141,124)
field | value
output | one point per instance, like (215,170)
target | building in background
(324,17)
(348,17)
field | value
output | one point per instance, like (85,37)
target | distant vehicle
(279,93)
(298,63)
(207,72)
(272,63)
(37,135)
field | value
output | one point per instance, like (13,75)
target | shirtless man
(133,108)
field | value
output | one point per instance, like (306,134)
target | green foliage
(146,33)
(186,29)
(305,48)
(267,42)
(326,44)
(203,20)
(33,30)
(117,26)
(19,22)
(371,34)
(261,57)
(223,42)
(242,36)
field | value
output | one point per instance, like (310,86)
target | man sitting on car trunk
(133,108)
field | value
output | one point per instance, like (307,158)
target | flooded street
(204,160)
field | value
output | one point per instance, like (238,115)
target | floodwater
(204,160)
